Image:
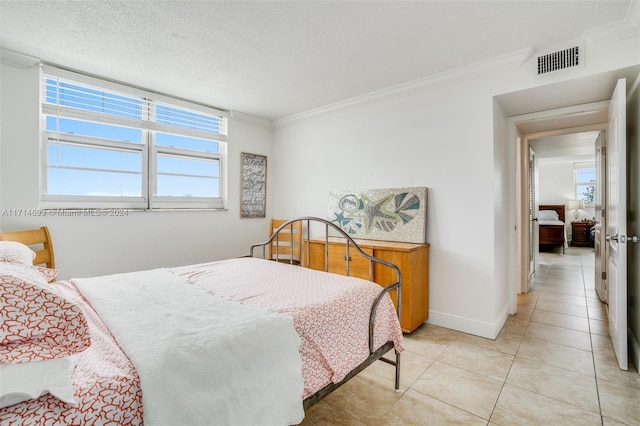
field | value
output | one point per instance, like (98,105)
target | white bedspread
(201,359)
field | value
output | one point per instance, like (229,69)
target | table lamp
(575,206)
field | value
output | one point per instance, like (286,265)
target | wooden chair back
(39,240)
(287,246)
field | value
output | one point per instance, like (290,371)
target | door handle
(623,238)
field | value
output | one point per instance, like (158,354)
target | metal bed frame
(375,354)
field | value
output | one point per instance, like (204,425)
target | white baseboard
(467,325)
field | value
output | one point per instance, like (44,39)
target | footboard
(551,235)
(323,229)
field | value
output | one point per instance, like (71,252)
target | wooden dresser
(581,233)
(411,258)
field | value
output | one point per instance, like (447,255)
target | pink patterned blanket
(330,311)
(107,386)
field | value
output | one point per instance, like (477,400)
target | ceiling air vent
(560,60)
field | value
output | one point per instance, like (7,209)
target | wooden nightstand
(580,233)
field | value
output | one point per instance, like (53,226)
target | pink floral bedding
(330,312)
(107,386)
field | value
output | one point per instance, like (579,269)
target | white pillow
(30,380)
(15,252)
(548,215)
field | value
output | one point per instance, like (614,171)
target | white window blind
(109,144)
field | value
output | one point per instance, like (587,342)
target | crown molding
(17,59)
(479,69)
(251,119)
(616,31)
(612,33)
(605,34)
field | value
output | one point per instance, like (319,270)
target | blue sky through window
(199,179)
(98,130)
(80,182)
(585,184)
(78,168)
(63,155)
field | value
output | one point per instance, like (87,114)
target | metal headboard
(349,244)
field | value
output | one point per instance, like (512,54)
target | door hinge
(604,275)
(603,213)
(604,151)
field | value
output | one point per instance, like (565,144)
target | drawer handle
(347,258)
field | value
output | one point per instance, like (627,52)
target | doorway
(585,112)
(563,172)
(552,134)
(559,108)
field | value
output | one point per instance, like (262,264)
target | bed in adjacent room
(239,341)
(551,226)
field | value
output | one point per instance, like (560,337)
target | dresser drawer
(358,265)
(581,234)
(411,258)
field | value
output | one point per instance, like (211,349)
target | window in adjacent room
(106,144)
(585,183)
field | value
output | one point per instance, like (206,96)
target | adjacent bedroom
(565,190)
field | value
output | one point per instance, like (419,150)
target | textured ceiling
(274,59)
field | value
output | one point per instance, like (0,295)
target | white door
(616,209)
(533,215)
(599,242)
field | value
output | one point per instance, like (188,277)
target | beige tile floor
(552,364)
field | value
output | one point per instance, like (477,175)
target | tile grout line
(555,265)
(593,356)
(504,383)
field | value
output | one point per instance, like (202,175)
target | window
(110,145)
(585,184)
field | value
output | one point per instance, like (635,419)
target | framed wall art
(390,214)
(254,185)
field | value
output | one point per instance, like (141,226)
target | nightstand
(581,233)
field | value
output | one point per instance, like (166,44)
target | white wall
(504,207)
(88,246)
(449,137)
(404,142)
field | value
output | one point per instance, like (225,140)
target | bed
(551,226)
(239,341)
